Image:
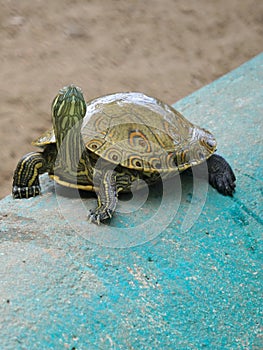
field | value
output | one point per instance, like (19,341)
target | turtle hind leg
(107,196)
(221,175)
(26,175)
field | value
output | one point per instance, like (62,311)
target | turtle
(109,143)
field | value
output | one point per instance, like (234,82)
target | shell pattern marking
(138,132)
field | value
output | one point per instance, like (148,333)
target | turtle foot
(99,215)
(26,192)
(221,175)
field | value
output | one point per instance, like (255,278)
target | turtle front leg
(107,196)
(26,175)
(221,175)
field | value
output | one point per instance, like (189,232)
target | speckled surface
(183,271)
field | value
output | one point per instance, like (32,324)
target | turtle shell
(142,133)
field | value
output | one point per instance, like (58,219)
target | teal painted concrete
(190,278)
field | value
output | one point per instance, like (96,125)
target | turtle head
(68,110)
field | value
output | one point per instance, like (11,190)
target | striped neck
(72,154)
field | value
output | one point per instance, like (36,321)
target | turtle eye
(211,143)
(208,142)
(62,90)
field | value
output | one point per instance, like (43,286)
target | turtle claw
(26,192)
(224,184)
(99,215)
(109,213)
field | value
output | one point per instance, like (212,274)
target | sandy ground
(166,48)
